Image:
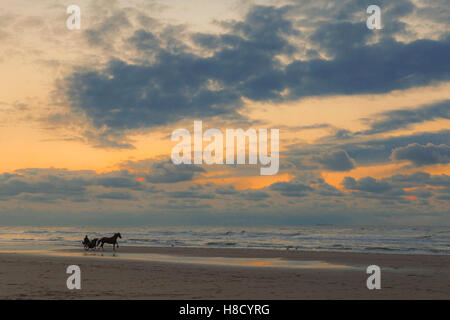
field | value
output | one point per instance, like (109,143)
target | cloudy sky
(86,115)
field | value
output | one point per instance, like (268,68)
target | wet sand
(211,273)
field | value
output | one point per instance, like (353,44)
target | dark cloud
(127,96)
(167,172)
(379,150)
(255,195)
(437,11)
(125,181)
(444,197)
(39,198)
(190,195)
(162,170)
(107,139)
(100,34)
(420,179)
(400,119)
(52,185)
(329,36)
(180,84)
(422,155)
(49,185)
(145,41)
(290,189)
(115,196)
(337,160)
(342,134)
(324,189)
(175,84)
(367,184)
(362,152)
(399,187)
(226,191)
(377,68)
(6,176)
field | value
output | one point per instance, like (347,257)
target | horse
(112,240)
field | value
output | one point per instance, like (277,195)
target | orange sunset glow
(86,116)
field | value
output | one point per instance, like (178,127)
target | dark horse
(112,240)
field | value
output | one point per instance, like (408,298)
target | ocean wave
(221,243)
(424,237)
(144,240)
(380,248)
(35,232)
(357,239)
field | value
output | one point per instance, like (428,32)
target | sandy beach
(213,273)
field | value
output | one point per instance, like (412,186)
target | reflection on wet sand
(217,261)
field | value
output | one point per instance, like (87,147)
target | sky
(86,115)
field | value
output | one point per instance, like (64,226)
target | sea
(402,240)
